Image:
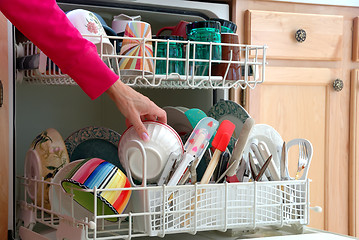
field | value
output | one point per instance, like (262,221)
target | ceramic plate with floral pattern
(94,142)
(46,156)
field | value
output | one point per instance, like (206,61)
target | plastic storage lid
(226,23)
(203,24)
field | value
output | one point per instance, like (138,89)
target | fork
(305,156)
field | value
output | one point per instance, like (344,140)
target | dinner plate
(181,108)
(177,119)
(46,156)
(32,171)
(229,110)
(61,202)
(267,134)
(94,142)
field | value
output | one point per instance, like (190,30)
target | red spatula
(220,143)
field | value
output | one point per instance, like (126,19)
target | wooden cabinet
(354,153)
(298,98)
(4,127)
(301,102)
(356,40)
(296,36)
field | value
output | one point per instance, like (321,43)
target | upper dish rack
(33,66)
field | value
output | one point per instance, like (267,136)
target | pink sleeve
(46,25)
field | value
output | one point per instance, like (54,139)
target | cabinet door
(4,128)
(301,103)
(354,155)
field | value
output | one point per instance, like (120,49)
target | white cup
(119,22)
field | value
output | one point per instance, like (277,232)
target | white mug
(119,22)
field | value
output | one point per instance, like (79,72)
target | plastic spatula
(220,143)
(194,115)
(195,146)
(238,149)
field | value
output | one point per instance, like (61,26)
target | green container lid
(226,24)
(203,24)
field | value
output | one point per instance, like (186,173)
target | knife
(252,165)
(222,166)
(260,160)
(241,170)
(274,172)
(167,169)
(263,169)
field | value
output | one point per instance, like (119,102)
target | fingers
(162,116)
(140,129)
(128,123)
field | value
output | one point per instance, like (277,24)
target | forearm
(47,26)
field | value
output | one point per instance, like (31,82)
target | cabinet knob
(300,35)
(338,85)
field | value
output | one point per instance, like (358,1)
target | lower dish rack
(162,210)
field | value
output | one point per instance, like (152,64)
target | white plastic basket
(162,210)
(193,208)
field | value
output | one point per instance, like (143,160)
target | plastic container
(226,26)
(204,31)
(175,50)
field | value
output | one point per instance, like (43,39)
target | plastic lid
(226,23)
(203,24)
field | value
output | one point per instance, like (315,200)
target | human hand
(135,107)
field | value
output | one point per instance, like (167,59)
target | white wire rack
(252,67)
(162,210)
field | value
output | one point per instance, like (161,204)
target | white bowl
(164,141)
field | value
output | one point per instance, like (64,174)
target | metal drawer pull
(300,35)
(338,85)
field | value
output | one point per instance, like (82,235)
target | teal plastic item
(226,26)
(194,115)
(203,31)
(175,50)
(226,30)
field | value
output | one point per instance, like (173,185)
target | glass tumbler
(204,31)
(175,50)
